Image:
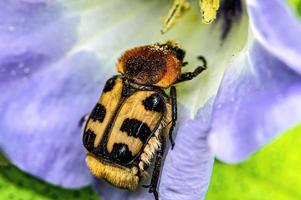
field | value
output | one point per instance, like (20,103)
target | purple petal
(40,117)
(187,168)
(259,98)
(109,192)
(42,98)
(31,36)
(278,29)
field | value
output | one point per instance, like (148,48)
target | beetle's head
(157,64)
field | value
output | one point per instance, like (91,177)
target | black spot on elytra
(98,113)
(88,140)
(136,128)
(154,103)
(121,153)
(110,84)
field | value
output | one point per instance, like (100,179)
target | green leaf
(15,184)
(296,4)
(271,173)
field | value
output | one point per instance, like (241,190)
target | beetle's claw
(155,193)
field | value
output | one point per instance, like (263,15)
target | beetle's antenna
(184,64)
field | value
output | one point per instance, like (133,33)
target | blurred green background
(273,173)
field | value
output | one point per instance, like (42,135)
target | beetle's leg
(157,169)
(204,61)
(190,75)
(82,122)
(174,113)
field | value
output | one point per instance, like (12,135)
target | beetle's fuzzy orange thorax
(157,64)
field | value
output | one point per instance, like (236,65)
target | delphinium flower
(55,57)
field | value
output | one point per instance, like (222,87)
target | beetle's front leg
(174,113)
(190,75)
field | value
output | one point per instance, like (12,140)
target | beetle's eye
(180,54)
(173,47)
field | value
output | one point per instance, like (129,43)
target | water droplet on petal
(13,72)
(26,70)
(21,65)
(11,28)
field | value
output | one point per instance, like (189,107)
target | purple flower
(55,57)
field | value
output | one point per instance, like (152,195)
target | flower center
(208,9)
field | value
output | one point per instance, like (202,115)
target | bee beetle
(129,125)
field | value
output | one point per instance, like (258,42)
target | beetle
(134,116)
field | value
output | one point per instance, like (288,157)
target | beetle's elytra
(133,117)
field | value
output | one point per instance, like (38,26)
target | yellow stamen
(175,13)
(209,9)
